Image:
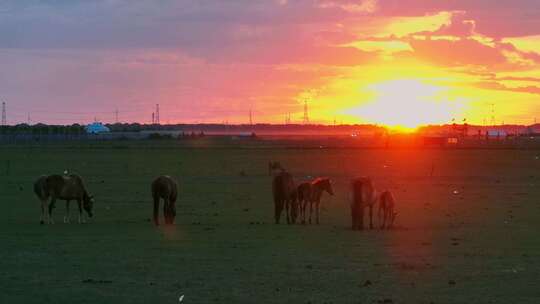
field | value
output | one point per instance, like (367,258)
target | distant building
(496,133)
(96,128)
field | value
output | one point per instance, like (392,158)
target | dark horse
(166,188)
(284,192)
(364,196)
(63,187)
(274,167)
(311,192)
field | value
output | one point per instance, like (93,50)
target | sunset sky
(390,62)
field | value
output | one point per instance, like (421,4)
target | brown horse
(364,196)
(166,188)
(311,192)
(63,187)
(387,216)
(284,192)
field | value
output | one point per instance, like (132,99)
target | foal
(312,192)
(386,214)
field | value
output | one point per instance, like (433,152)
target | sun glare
(406,104)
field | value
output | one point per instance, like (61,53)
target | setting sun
(407,104)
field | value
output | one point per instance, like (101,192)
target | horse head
(326,185)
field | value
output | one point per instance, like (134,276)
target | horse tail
(174,191)
(40,188)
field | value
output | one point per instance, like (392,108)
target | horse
(166,188)
(386,214)
(274,166)
(285,195)
(312,192)
(364,195)
(63,187)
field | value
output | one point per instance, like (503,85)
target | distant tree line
(76,129)
(42,129)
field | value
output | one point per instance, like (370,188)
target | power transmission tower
(306,112)
(28,120)
(493,122)
(153,118)
(4,116)
(116,115)
(157,114)
(250,117)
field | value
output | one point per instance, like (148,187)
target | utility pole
(4,116)
(28,119)
(157,114)
(250,117)
(116,115)
(306,112)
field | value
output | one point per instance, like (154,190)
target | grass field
(470,233)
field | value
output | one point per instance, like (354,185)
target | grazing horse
(284,192)
(274,166)
(311,192)
(364,195)
(386,214)
(63,187)
(166,188)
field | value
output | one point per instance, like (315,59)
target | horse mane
(320,180)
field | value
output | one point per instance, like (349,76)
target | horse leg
(303,211)
(393,218)
(172,211)
(51,207)
(371,217)
(360,217)
(166,212)
(81,217)
(304,206)
(278,208)
(66,217)
(381,214)
(287,212)
(294,212)
(353,217)
(156,211)
(43,217)
(317,210)
(310,210)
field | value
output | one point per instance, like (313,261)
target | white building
(96,128)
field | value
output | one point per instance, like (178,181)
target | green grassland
(468,228)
